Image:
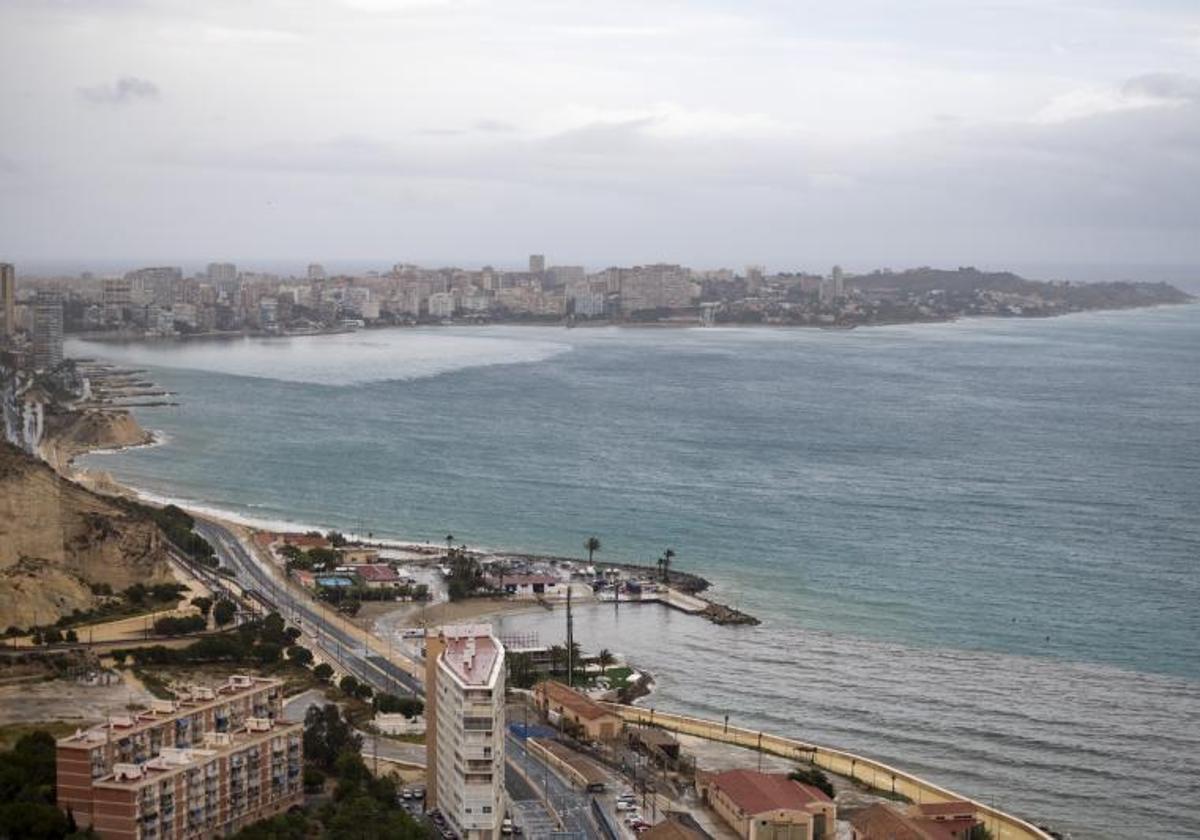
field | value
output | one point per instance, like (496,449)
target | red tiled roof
(582,705)
(947,809)
(755,793)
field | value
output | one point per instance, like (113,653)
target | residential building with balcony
(464,736)
(135,739)
(232,780)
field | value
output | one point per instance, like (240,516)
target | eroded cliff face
(56,538)
(71,433)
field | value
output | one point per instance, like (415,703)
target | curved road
(350,650)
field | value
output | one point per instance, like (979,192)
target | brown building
(934,821)
(673,829)
(569,708)
(768,806)
(201,719)
(8,301)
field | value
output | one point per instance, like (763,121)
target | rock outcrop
(57,539)
(69,434)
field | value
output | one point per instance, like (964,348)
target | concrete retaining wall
(873,773)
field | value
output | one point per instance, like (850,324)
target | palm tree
(665,564)
(558,656)
(591,545)
(604,659)
(449,542)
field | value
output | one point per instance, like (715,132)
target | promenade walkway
(870,772)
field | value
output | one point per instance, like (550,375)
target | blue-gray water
(973,545)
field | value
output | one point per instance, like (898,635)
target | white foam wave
(263,523)
(157,438)
(338,360)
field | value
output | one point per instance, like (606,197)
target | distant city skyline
(700,133)
(1186,276)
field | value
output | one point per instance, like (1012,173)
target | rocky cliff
(69,434)
(57,538)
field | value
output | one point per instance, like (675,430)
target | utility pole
(570,640)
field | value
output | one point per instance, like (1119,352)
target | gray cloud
(1167,86)
(124,90)
(494,126)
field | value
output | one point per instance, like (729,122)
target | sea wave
(335,360)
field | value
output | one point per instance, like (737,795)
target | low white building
(441,305)
(530,585)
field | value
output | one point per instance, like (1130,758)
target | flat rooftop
(172,760)
(187,702)
(472,653)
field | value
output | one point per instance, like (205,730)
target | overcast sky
(710,133)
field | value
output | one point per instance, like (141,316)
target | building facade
(231,780)
(953,820)
(569,709)
(464,729)
(768,806)
(98,767)
(8,301)
(47,331)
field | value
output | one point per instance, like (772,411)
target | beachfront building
(930,821)
(569,709)
(201,765)
(355,555)
(768,806)
(530,585)
(378,576)
(464,729)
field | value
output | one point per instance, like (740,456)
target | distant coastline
(110,337)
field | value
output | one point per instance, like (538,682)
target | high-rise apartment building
(754,279)
(203,765)
(47,331)
(156,284)
(464,729)
(221,275)
(833,287)
(316,271)
(8,300)
(655,286)
(537,263)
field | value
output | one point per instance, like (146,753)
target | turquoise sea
(973,545)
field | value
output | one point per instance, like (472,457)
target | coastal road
(571,805)
(351,650)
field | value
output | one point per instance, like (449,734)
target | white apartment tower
(464,740)
(47,331)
